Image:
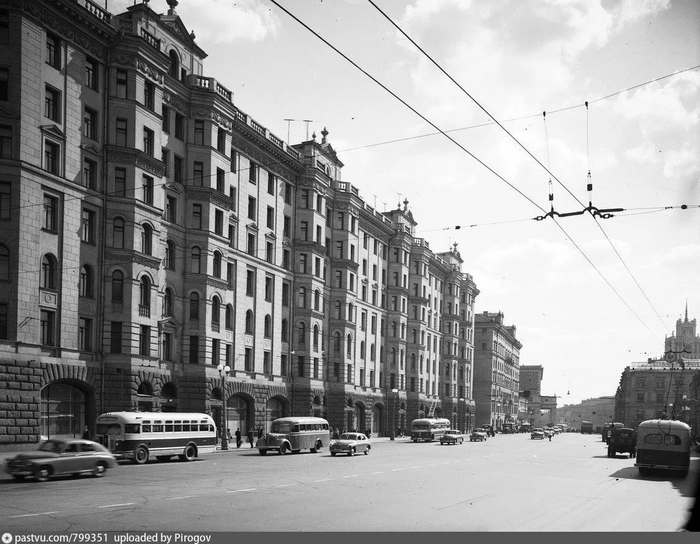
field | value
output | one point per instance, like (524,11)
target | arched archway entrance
(168,398)
(378,427)
(64,410)
(144,397)
(239,414)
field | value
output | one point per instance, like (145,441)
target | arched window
(349,350)
(215,311)
(229,316)
(285,331)
(169,261)
(167,302)
(268,327)
(146,239)
(217,264)
(48,272)
(249,322)
(85,286)
(4,263)
(174,67)
(118,233)
(301,339)
(117,286)
(145,292)
(393,356)
(196,260)
(317,299)
(302,297)
(336,342)
(316,335)
(194,305)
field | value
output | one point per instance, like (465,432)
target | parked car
(622,440)
(607,430)
(61,456)
(477,435)
(452,436)
(537,434)
(351,443)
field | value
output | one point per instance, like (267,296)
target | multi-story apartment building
(162,250)
(664,387)
(496,370)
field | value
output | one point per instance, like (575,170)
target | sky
(488,108)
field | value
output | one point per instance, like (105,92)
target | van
(663,444)
(586,427)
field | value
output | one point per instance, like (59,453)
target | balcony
(144,311)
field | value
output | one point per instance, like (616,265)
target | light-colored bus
(429,429)
(141,435)
(295,434)
(663,444)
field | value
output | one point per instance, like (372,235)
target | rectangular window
(179,127)
(253,173)
(5,142)
(87,231)
(84,334)
(252,208)
(53,51)
(196,216)
(248,360)
(171,209)
(250,283)
(115,338)
(268,288)
(165,114)
(92,73)
(52,155)
(165,159)
(122,83)
(194,350)
(89,173)
(148,190)
(90,124)
(145,340)
(219,222)
(285,294)
(199,132)
(251,244)
(178,164)
(270,252)
(149,95)
(270,183)
(50,213)
(52,104)
(5,197)
(120,182)
(215,351)
(286,228)
(120,132)
(220,180)
(198,174)
(148,141)
(270,217)
(221,140)
(48,328)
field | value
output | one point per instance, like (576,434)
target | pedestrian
(550,436)
(260,432)
(86,433)
(250,437)
(238,438)
(228,434)
(336,433)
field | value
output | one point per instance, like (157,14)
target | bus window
(168,426)
(146,427)
(672,440)
(652,439)
(157,427)
(132,428)
(177,427)
(204,428)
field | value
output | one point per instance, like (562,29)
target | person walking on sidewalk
(250,437)
(238,438)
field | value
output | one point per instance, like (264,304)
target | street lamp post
(461,417)
(223,373)
(393,414)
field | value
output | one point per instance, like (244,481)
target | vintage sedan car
(477,435)
(61,456)
(452,436)
(537,434)
(351,443)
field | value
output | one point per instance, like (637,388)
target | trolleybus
(295,434)
(429,429)
(141,435)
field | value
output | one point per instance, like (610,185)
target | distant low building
(598,411)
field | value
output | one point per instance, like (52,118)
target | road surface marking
(378,472)
(284,485)
(417,466)
(323,480)
(115,505)
(396,469)
(178,498)
(351,476)
(242,490)
(39,514)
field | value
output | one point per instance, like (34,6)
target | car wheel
(367,450)
(99,470)
(332,454)
(190,453)
(317,448)
(283,449)
(351,452)
(140,455)
(42,473)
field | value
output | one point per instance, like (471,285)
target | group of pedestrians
(250,436)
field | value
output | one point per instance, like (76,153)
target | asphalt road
(508,483)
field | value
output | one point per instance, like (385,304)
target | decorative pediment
(91,148)
(53,130)
(270,236)
(252,227)
(174,187)
(169,323)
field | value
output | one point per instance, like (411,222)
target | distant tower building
(530,380)
(686,340)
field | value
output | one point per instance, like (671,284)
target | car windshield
(347,436)
(51,446)
(451,431)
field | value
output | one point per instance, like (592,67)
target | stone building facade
(496,370)
(152,233)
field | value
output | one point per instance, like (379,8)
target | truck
(586,427)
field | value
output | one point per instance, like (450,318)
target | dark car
(607,430)
(61,456)
(623,440)
(452,436)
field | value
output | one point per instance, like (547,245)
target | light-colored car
(477,435)
(452,436)
(537,434)
(350,444)
(61,456)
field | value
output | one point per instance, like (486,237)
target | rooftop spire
(686,311)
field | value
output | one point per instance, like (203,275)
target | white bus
(140,435)
(429,429)
(294,434)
